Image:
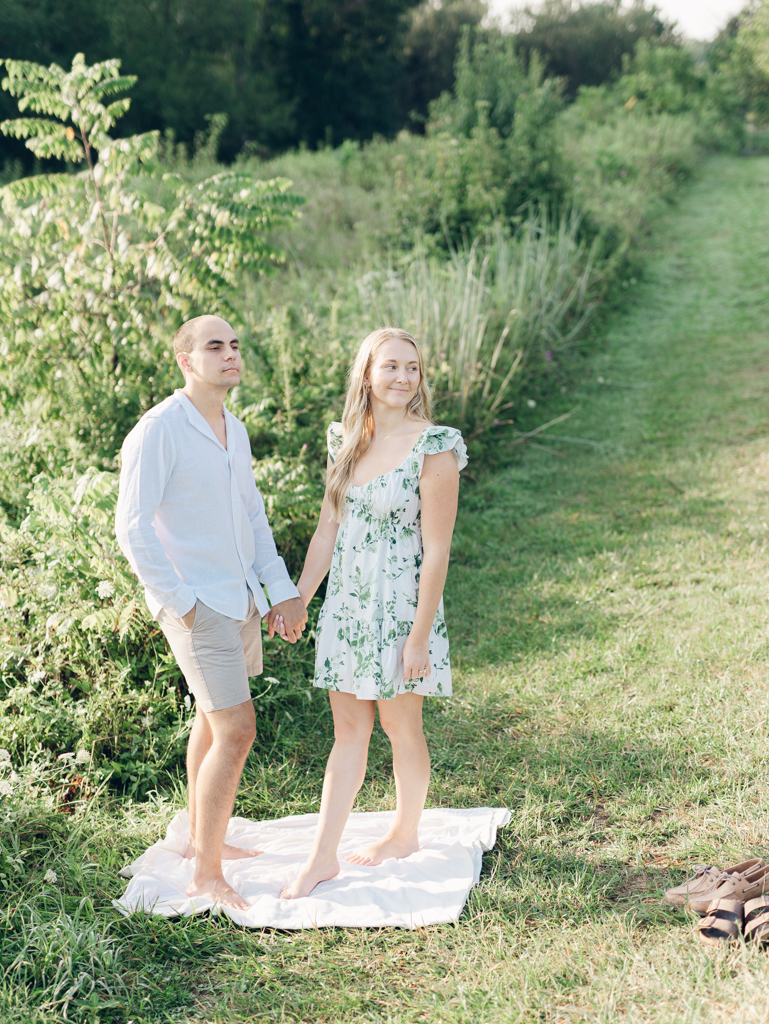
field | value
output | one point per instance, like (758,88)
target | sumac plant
(99,264)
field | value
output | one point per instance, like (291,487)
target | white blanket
(429,887)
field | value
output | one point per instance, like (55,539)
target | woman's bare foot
(218,891)
(384,849)
(228,852)
(311,875)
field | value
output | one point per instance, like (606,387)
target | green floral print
(373,586)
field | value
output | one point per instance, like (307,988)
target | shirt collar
(200,423)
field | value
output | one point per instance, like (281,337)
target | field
(608,608)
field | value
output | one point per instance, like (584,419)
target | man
(192,524)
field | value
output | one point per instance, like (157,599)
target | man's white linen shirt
(190,519)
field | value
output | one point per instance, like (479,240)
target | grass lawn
(608,604)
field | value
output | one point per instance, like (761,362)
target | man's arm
(272,573)
(148,458)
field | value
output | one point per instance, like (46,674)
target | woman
(385,531)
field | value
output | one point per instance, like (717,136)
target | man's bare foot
(384,849)
(310,876)
(238,852)
(218,891)
(228,852)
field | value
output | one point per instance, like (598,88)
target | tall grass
(488,312)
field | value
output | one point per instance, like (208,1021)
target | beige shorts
(217,655)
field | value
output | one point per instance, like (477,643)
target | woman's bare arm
(439,492)
(317,561)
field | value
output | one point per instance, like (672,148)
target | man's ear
(182,361)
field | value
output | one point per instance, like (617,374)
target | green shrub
(490,149)
(82,664)
(98,269)
(626,147)
(625,168)
(741,58)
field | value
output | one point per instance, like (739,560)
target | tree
(283,72)
(193,59)
(47,31)
(99,267)
(430,51)
(746,53)
(585,44)
(340,61)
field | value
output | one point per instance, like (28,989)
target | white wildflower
(105,589)
(51,876)
(5,788)
(82,757)
(4,755)
(531,403)
(37,676)
(15,777)
(48,591)
(65,757)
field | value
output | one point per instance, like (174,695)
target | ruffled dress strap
(334,438)
(442,439)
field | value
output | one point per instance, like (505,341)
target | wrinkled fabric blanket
(429,887)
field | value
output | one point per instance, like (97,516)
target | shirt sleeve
(148,460)
(268,565)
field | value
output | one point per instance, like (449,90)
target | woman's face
(394,374)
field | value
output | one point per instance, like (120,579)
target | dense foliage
(282,71)
(494,236)
(99,268)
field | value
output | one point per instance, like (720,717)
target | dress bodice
(394,497)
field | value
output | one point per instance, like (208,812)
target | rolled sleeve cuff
(281,591)
(275,579)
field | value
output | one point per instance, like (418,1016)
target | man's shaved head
(191,330)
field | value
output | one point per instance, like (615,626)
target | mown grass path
(609,609)
(609,606)
(614,610)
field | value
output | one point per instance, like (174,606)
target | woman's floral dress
(374,582)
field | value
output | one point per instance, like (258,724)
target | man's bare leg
(401,719)
(216,782)
(345,771)
(198,746)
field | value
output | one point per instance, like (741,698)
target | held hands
(416,658)
(287,619)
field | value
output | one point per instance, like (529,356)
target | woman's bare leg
(401,719)
(345,771)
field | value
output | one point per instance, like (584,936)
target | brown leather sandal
(757,920)
(706,879)
(723,923)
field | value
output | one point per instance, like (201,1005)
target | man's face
(215,356)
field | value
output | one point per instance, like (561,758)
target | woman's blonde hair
(357,419)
